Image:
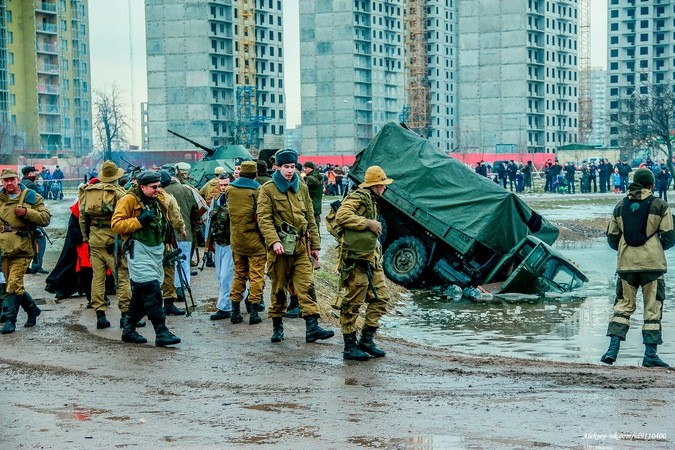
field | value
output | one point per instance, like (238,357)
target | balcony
(48,88)
(52,69)
(46,48)
(46,7)
(48,109)
(48,28)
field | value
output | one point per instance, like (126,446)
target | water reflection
(563,328)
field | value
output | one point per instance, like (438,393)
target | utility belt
(10,229)
(100,223)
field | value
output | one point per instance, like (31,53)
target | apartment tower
(195,85)
(45,95)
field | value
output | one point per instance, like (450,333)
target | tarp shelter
(452,195)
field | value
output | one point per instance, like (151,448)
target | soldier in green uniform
(21,210)
(248,248)
(314,181)
(360,267)
(286,220)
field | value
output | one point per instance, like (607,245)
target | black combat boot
(31,308)
(124,317)
(277,329)
(3,306)
(172,310)
(352,351)
(367,345)
(236,313)
(254,317)
(101,321)
(314,332)
(12,303)
(209,259)
(129,333)
(163,337)
(293,311)
(651,359)
(220,315)
(180,295)
(613,351)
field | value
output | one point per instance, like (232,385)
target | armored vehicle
(445,224)
(223,156)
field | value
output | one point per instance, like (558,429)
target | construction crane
(417,110)
(584,58)
(247,118)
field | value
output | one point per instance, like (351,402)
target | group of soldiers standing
(143,235)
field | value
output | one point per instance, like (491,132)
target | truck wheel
(405,260)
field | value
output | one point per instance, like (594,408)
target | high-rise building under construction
(485,75)
(45,89)
(215,72)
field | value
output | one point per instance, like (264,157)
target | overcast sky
(117,43)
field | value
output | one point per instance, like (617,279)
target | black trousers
(146,299)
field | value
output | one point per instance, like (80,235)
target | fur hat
(285,157)
(28,169)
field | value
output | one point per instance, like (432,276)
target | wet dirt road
(64,384)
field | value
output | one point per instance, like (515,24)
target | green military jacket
(275,207)
(242,202)
(97,203)
(187,206)
(354,213)
(315,186)
(16,236)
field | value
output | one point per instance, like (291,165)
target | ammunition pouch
(288,236)
(128,247)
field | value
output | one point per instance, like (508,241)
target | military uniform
(640,229)
(17,247)
(248,248)
(168,284)
(314,181)
(286,203)
(361,273)
(97,204)
(142,223)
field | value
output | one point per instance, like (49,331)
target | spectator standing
(663,181)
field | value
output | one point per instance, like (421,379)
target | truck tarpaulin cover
(450,194)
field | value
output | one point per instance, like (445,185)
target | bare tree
(110,121)
(647,117)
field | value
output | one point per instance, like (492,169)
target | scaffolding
(584,44)
(417,112)
(247,128)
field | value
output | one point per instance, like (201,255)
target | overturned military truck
(445,224)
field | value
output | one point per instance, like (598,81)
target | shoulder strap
(22,198)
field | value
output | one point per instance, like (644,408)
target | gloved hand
(375,227)
(146,217)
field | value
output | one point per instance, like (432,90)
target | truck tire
(405,260)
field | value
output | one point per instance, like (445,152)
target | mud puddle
(563,328)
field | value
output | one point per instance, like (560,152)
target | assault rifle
(170,259)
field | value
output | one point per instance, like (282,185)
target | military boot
(367,345)
(172,310)
(12,304)
(31,308)
(129,333)
(236,313)
(314,332)
(293,311)
(613,351)
(125,316)
(651,359)
(277,329)
(209,259)
(180,295)
(101,321)
(254,317)
(163,337)
(3,305)
(352,351)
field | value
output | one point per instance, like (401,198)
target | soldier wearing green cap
(640,229)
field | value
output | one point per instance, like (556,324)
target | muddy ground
(64,384)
